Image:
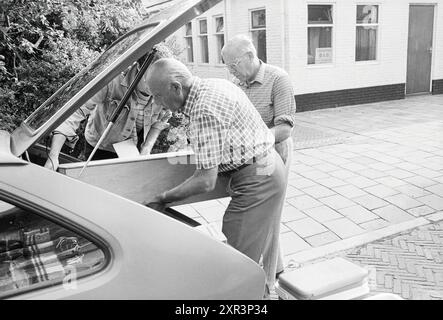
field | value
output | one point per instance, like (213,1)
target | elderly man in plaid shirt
(228,137)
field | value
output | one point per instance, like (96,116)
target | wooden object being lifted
(141,178)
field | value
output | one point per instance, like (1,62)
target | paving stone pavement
(357,171)
(409,264)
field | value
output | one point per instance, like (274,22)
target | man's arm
(57,142)
(281,132)
(202,181)
(67,130)
(206,132)
(284,108)
(154,132)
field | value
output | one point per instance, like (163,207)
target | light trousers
(272,255)
(254,212)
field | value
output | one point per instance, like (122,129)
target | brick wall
(339,98)
(437,86)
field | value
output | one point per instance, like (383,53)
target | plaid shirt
(272,94)
(140,105)
(225,129)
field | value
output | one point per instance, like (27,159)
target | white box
(335,279)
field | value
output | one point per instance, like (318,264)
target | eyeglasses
(233,65)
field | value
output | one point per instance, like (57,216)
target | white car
(68,237)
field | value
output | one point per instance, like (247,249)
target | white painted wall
(239,19)
(211,69)
(287,42)
(437,71)
(345,72)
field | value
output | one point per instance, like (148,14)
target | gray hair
(167,70)
(240,44)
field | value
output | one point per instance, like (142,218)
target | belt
(247,163)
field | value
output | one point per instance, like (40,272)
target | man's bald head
(166,70)
(169,81)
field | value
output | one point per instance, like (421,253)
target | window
(219,37)
(35,252)
(203,35)
(366,33)
(188,41)
(320,26)
(258,32)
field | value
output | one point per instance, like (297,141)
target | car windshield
(73,86)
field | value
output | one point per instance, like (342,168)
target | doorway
(420,36)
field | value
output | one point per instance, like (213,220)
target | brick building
(337,53)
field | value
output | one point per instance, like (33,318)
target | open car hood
(119,56)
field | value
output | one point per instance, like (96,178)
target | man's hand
(162,120)
(52,162)
(157,203)
(156,206)
(282,150)
(156,128)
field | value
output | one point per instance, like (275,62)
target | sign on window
(323,55)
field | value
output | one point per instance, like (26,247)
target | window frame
(321,25)
(219,59)
(45,212)
(186,37)
(252,29)
(377,51)
(200,36)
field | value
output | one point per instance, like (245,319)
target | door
(421,25)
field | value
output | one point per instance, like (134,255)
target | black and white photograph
(201,151)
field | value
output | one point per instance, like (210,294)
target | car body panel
(153,256)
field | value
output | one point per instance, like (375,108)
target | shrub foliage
(44,43)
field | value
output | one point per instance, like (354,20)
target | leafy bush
(175,137)
(45,43)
